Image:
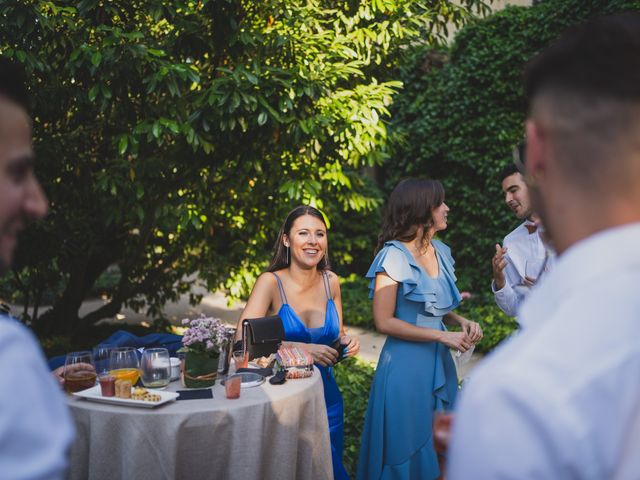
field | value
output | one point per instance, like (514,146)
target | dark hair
(508,170)
(598,57)
(408,208)
(584,90)
(279,259)
(13,82)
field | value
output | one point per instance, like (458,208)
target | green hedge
(354,378)
(356,305)
(462,110)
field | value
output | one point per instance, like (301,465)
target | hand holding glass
(79,371)
(533,268)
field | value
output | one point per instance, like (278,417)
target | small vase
(200,370)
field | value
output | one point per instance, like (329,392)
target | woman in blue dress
(413,289)
(301,289)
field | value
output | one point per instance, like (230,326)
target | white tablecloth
(270,432)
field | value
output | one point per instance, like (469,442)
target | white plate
(249,379)
(94,394)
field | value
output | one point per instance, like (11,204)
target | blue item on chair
(122,338)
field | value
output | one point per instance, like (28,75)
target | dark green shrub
(462,110)
(356,306)
(354,379)
(496,325)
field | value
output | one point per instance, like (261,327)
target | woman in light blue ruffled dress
(414,292)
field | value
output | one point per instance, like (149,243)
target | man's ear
(535,153)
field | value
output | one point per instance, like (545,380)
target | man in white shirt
(561,399)
(523,256)
(36,429)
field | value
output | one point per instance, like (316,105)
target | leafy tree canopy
(173,135)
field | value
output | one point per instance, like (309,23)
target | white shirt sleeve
(36,429)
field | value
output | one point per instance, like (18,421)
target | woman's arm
(352,342)
(384,304)
(260,300)
(472,329)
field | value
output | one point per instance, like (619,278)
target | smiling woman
(299,287)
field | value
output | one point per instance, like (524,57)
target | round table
(270,432)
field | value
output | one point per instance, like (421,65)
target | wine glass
(124,365)
(79,371)
(155,367)
(101,355)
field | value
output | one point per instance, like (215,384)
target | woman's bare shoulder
(334,280)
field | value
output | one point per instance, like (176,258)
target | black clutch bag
(262,336)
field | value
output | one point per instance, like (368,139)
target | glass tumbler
(155,368)
(79,371)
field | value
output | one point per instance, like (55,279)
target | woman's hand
(473,330)
(322,354)
(352,345)
(456,340)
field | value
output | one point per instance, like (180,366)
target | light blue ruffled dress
(296,331)
(412,379)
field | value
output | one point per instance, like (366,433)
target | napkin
(195,394)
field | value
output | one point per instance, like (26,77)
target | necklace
(422,252)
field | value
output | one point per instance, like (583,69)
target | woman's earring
(288,258)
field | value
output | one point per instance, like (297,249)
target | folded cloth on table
(195,394)
(279,378)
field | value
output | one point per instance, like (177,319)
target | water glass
(155,367)
(241,358)
(232,386)
(79,371)
(101,354)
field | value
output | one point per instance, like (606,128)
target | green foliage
(462,111)
(354,380)
(356,305)
(173,135)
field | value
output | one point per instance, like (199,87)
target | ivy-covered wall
(461,112)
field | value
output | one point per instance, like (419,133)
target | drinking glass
(241,358)
(155,367)
(123,364)
(232,386)
(101,354)
(533,267)
(79,371)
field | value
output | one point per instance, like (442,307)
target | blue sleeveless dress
(412,379)
(296,331)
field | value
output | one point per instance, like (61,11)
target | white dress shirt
(522,247)
(561,399)
(36,429)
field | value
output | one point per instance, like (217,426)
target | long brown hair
(409,207)
(279,259)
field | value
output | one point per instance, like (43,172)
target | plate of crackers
(135,397)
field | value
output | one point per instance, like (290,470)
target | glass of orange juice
(124,364)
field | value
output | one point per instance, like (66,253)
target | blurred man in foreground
(562,399)
(35,426)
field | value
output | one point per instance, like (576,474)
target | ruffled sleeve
(439,295)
